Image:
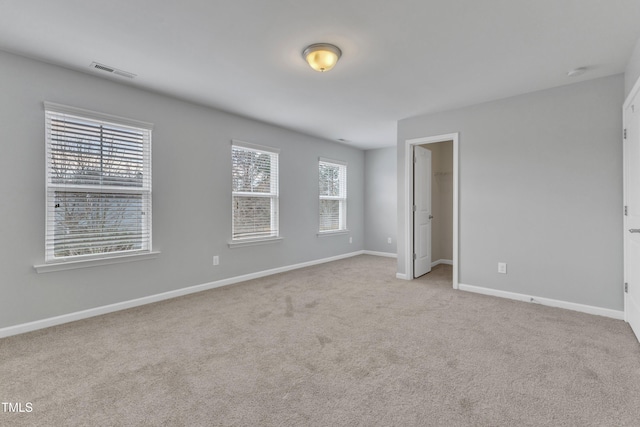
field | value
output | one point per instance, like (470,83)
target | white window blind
(98,185)
(333,195)
(254,192)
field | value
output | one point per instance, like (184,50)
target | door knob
(431,217)
(634,230)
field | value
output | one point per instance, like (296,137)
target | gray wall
(633,70)
(191,194)
(380,211)
(540,189)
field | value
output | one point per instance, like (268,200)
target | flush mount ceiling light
(322,56)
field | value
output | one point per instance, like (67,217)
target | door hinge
(626,210)
(415,208)
(415,159)
(415,257)
(626,288)
(625,134)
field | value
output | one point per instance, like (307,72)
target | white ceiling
(400,58)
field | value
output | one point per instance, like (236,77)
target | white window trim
(254,242)
(273,194)
(83,261)
(337,162)
(59,108)
(344,230)
(332,232)
(263,148)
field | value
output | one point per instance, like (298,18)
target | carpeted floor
(339,344)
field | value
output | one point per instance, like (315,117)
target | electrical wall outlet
(350,239)
(389,240)
(502,267)
(216,260)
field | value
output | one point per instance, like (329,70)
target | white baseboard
(384,254)
(403,276)
(84,314)
(599,311)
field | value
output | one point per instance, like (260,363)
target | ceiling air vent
(112,70)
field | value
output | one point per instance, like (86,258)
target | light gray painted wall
(380,211)
(540,188)
(191,194)
(632,71)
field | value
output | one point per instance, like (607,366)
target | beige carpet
(340,344)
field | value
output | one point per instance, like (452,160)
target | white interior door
(422,211)
(632,217)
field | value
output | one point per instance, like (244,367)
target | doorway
(413,235)
(631,122)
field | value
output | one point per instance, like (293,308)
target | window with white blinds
(333,195)
(98,186)
(254,191)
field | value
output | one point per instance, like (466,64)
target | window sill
(332,233)
(253,242)
(85,263)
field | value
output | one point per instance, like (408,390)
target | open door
(632,214)
(409,227)
(422,211)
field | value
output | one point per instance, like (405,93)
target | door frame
(627,103)
(408,197)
